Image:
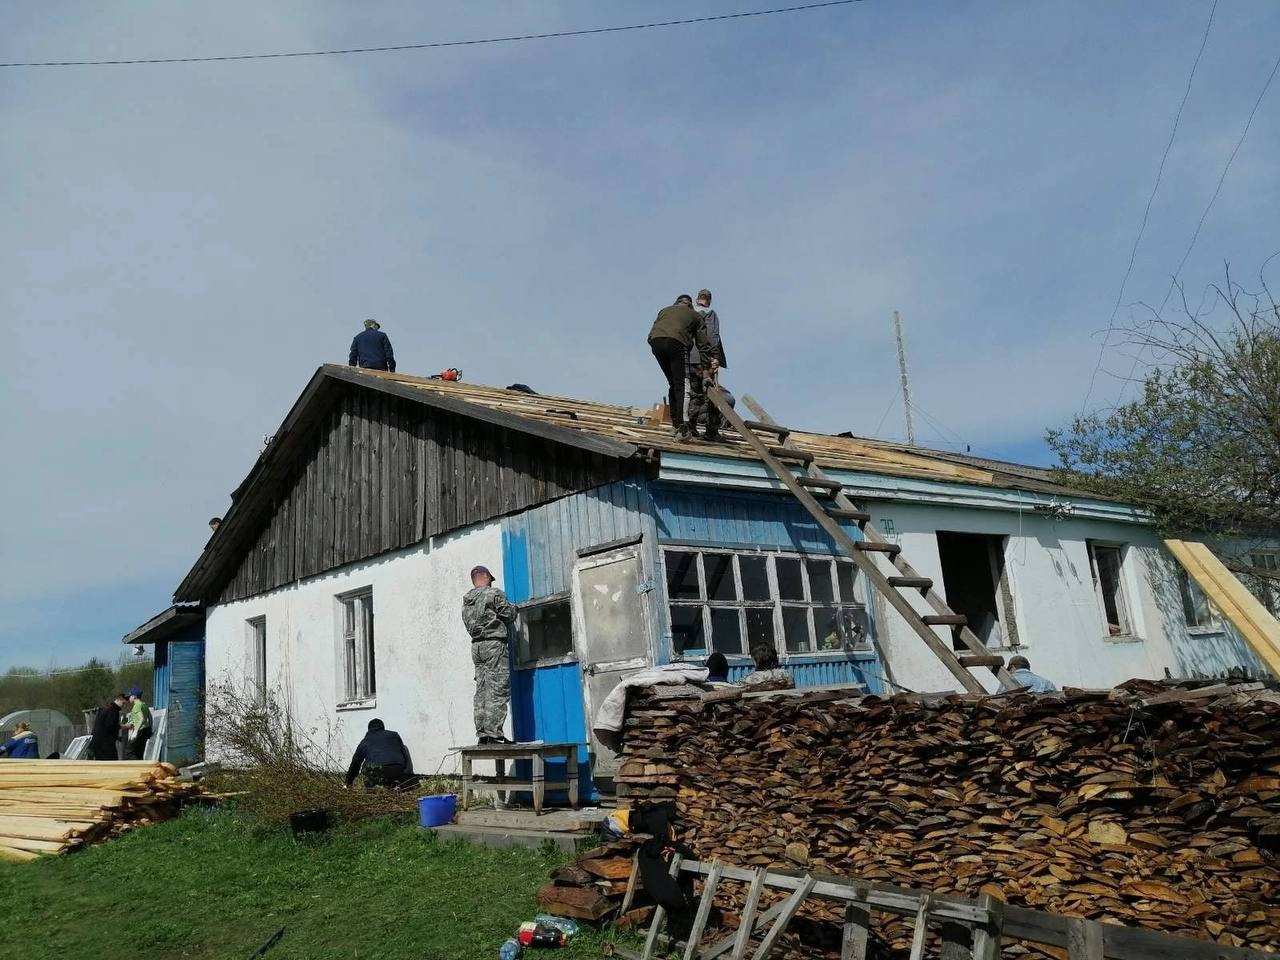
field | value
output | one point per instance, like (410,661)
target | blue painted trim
(754,475)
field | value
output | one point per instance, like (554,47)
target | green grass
(216,884)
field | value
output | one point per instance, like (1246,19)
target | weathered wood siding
(379,473)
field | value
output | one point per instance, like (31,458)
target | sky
(182,245)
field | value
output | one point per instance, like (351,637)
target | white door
(612,633)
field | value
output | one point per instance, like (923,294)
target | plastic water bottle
(540,936)
(510,950)
(566,926)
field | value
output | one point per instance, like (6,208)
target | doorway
(612,635)
(974,580)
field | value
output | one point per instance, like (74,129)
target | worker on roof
(1020,670)
(488,615)
(22,745)
(700,372)
(678,328)
(382,756)
(371,349)
(105,739)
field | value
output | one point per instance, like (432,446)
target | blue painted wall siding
(160,676)
(179,689)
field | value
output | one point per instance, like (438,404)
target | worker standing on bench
(371,349)
(701,369)
(678,328)
(488,613)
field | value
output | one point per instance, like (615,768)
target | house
(334,581)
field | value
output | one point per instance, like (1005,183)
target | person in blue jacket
(22,745)
(371,349)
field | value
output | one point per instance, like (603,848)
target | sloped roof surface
(633,425)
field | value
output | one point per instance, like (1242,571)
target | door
(612,634)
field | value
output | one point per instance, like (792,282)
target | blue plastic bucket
(438,810)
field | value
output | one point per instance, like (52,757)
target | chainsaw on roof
(452,374)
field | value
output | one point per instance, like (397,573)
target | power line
(435,45)
(1146,214)
(1173,281)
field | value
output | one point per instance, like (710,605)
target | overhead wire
(1146,214)
(440,44)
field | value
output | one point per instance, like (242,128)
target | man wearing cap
(678,328)
(138,724)
(487,614)
(701,367)
(371,349)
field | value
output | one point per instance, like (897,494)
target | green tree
(1200,446)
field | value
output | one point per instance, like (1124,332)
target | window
(977,585)
(1195,605)
(545,631)
(1107,564)
(257,632)
(356,658)
(1268,590)
(736,601)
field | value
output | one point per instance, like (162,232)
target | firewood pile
(592,886)
(1148,805)
(52,806)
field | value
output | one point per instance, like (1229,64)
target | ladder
(799,472)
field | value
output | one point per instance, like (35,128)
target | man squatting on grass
(383,756)
(487,614)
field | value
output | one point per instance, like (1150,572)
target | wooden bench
(502,786)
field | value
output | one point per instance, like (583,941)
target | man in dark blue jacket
(371,349)
(384,757)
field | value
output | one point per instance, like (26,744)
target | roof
(634,427)
(165,624)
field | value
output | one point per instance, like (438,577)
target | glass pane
(827,626)
(349,618)
(686,629)
(1108,563)
(819,580)
(755,578)
(846,573)
(759,628)
(550,632)
(795,627)
(726,631)
(682,575)
(718,568)
(790,586)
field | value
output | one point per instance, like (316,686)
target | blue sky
(181,246)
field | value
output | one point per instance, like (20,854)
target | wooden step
(857,516)
(820,483)
(759,426)
(791,453)
(980,660)
(920,583)
(866,546)
(946,620)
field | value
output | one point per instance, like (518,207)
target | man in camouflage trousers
(487,614)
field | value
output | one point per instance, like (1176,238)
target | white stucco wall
(1060,621)
(422,651)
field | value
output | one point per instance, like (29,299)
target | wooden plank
(921,931)
(704,910)
(1084,940)
(629,897)
(747,922)
(1252,620)
(856,931)
(784,918)
(986,936)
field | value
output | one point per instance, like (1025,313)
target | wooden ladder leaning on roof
(782,458)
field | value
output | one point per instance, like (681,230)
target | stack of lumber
(1147,805)
(51,806)
(591,887)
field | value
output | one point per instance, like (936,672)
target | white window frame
(775,604)
(1123,602)
(523,660)
(1269,590)
(256,635)
(356,659)
(1192,597)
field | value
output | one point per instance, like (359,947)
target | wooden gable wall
(381,472)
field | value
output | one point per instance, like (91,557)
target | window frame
(1269,560)
(357,649)
(256,632)
(1188,592)
(857,604)
(1127,630)
(524,662)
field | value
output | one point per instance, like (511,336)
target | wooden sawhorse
(503,786)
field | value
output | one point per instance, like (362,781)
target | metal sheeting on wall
(698,515)
(179,689)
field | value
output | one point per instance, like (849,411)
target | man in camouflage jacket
(487,614)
